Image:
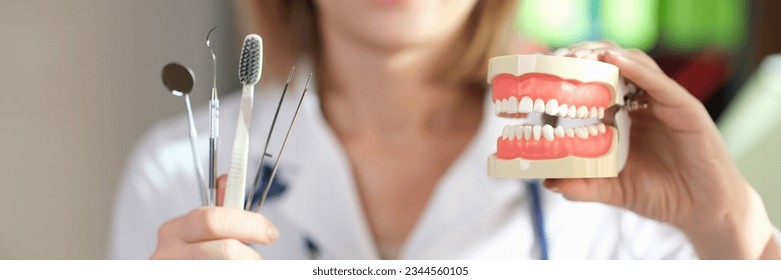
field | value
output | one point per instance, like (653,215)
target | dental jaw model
(568,89)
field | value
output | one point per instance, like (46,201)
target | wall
(80,83)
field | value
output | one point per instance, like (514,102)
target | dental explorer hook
(248,205)
(284,143)
(214,124)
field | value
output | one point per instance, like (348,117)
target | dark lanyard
(538,219)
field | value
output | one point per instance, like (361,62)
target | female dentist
(387,160)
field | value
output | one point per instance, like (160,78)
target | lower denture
(591,147)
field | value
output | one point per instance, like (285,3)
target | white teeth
(547,132)
(581,132)
(512,105)
(572,112)
(563,110)
(527,132)
(592,113)
(592,130)
(526,105)
(582,112)
(503,106)
(552,107)
(559,131)
(539,106)
(601,112)
(536,132)
(497,103)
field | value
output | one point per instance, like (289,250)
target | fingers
(605,43)
(604,190)
(635,54)
(214,233)
(213,223)
(222,249)
(595,49)
(657,85)
(583,50)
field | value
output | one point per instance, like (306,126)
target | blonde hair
(292,27)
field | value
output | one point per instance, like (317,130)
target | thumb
(604,190)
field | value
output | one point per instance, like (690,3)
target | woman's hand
(214,233)
(679,170)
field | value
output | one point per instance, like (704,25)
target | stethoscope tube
(538,220)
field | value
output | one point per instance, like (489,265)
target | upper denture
(538,92)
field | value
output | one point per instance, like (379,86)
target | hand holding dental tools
(179,80)
(214,125)
(250,65)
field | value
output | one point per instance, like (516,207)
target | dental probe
(214,125)
(284,143)
(248,205)
(179,80)
(249,74)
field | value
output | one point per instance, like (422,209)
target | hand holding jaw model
(678,170)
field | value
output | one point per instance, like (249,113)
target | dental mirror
(178,79)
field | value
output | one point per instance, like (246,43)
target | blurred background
(80,84)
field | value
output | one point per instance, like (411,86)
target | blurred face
(393,24)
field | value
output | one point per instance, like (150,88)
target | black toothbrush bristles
(251,60)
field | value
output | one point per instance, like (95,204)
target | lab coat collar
(323,201)
(463,198)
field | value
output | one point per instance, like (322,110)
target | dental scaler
(588,136)
(214,125)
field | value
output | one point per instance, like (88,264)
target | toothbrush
(249,75)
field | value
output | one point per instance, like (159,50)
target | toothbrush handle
(237,175)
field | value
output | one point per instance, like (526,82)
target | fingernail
(273,233)
(613,54)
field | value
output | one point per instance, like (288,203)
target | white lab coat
(470,215)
